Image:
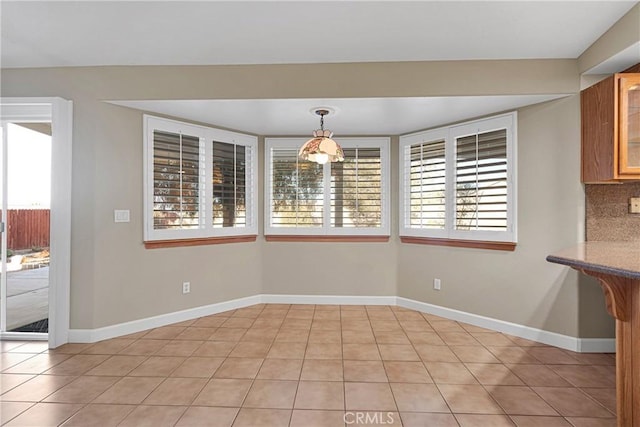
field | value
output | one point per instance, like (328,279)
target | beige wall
(114,279)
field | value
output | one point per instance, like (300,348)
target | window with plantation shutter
(176,181)
(342,198)
(458,183)
(200,182)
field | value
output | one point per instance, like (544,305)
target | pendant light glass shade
(321,148)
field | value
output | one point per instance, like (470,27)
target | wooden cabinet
(610,113)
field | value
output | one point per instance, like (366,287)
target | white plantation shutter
(356,190)
(459,182)
(427,184)
(176,181)
(296,190)
(481,181)
(230,175)
(348,198)
(199,181)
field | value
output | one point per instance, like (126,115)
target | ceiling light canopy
(321,148)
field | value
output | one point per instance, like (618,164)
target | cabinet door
(629,121)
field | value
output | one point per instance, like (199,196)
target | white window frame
(506,121)
(326,229)
(207,136)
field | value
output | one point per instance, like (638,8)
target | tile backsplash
(607,212)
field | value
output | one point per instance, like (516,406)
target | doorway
(35,194)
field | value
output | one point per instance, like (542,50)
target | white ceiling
(371,116)
(80,33)
(93,33)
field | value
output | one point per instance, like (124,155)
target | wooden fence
(27,228)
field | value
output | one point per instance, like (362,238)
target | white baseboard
(584,345)
(23,336)
(118,330)
(327,299)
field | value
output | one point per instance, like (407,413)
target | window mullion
(326,197)
(206,203)
(450,184)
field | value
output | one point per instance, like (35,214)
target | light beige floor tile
(153,416)
(198,367)
(260,335)
(280,369)
(195,333)
(214,349)
(418,337)
(36,364)
(45,414)
(251,417)
(418,419)
(77,364)
(144,347)
(320,395)
(360,352)
(605,396)
(165,332)
(369,397)
(398,352)
(82,390)
(394,337)
(311,418)
(513,355)
(9,381)
(176,391)
(552,355)
(592,422)
(243,368)
(418,398)
(365,336)
(37,388)
(157,366)
(469,420)
(450,373)
(407,372)
(470,399)
(223,392)
(585,376)
(520,401)
(538,375)
(250,349)
(228,334)
(571,402)
(183,348)
(492,339)
(324,351)
(129,390)
(364,371)
(99,416)
(207,416)
(539,421)
(493,374)
(117,365)
(237,322)
(436,353)
(473,354)
(275,394)
(9,410)
(292,336)
(322,370)
(287,350)
(112,346)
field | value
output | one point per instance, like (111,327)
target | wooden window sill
(175,243)
(458,243)
(334,239)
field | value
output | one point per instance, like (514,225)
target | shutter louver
(296,190)
(356,191)
(426,178)
(481,181)
(176,181)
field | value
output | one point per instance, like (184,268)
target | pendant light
(321,148)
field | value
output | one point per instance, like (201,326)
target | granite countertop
(616,258)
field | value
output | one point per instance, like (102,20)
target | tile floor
(304,365)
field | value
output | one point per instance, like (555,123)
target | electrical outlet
(436,284)
(634,205)
(186,287)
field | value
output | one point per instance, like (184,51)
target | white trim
(23,336)
(585,345)
(327,299)
(382,143)
(581,345)
(120,329)
(59,112)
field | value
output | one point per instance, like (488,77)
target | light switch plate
(121,215)
(634,205)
